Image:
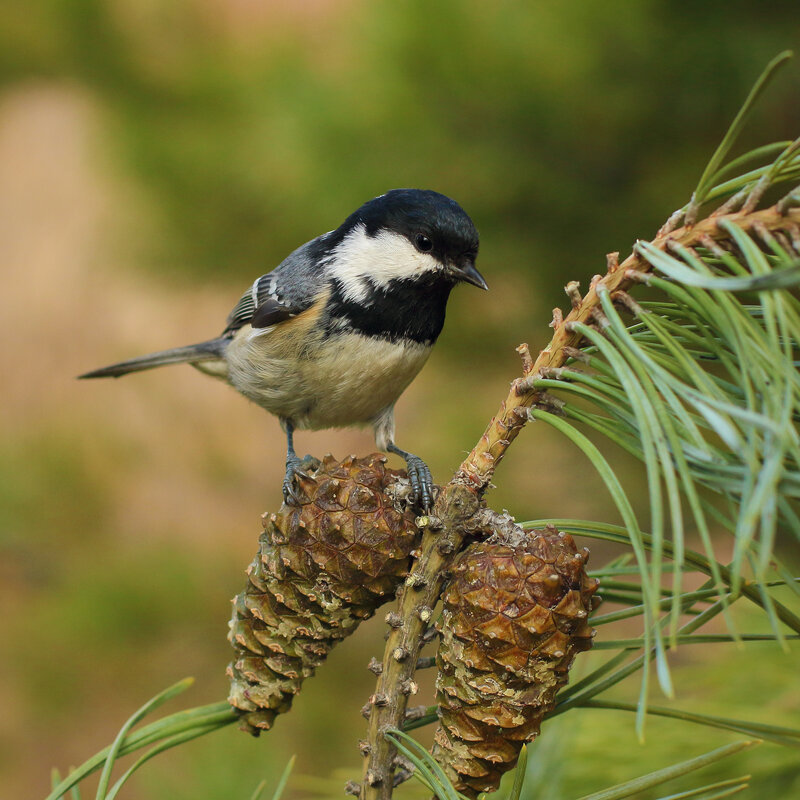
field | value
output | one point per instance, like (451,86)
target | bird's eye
(424,244)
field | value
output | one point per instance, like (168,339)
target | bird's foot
(421,482)
(309,463)
(297,467)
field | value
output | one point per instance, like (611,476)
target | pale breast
(318,382)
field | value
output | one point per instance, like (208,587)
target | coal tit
(334,334)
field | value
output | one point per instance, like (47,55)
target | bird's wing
(284,293)
(260,306)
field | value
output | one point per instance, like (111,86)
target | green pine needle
(519,774)
(633,787)
(147,708)
(284,779)
(711,172)
(193,722)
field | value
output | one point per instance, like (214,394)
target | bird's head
(406,235)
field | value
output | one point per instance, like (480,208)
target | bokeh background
(158,155)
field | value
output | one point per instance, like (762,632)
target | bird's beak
(465,271)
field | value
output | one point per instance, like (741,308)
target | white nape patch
(361,261)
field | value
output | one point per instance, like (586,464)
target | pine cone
(514,616)
(321,568)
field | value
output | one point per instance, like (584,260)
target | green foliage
(243,151)
(703,389)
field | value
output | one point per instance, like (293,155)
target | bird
(336,332)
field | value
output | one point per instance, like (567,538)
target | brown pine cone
(321,568)
(514,616)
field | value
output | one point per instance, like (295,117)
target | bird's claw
(296,467)
(309,463)
(421,483)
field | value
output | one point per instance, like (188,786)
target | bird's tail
(204,351)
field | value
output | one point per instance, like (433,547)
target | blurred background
(158,155)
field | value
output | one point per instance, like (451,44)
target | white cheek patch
(362,261)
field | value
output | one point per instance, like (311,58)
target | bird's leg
(419,475)
(294,466)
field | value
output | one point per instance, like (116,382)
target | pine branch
(443,534)
(478,468)
(458,505)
